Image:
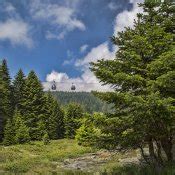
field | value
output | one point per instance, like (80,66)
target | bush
(21,130)
(87,135)
(46,139)
(74,114)
(9,133)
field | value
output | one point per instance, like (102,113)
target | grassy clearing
(37,158)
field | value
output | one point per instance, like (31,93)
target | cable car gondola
(54,87)
(73,87)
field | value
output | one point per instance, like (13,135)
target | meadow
(37,158)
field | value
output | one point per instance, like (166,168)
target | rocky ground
(93,161)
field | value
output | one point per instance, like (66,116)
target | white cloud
(126,18)
(16,31)
(63,18)
(87,81)
(99,52)
(83,48)
(58,77)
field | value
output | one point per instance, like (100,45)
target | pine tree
(33,105)
(20,129)
(55,118)
(8,96)
(9,136)
(40,130)
(18,89)
(2,117)
(6,107)
(74,113)
(142,76)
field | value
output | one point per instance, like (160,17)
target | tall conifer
(142,76)
(55,119)
(18,89)
(9,133)
(33,106)
(6,107)
(21,131)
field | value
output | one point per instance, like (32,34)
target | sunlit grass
(37,157)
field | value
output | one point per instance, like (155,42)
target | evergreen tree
(142,76)
(74,113)
(41,129)
(55,118)
(2,117)
(32,107)
(18,89)
(9,136)
(6,108)
(8,96)
(20,129)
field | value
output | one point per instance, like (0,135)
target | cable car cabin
(54,87)
(73,87)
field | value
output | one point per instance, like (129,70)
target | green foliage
(74,113)
(18,89)
(9,133)
(87,100)
(88,134)
(33,106)
(36,112)
(6,107)
(46,139)
(142,77)
(20,129)
(55,118)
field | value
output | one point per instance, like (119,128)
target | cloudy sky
(58,38)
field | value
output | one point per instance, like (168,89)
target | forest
(88,101)
(139,114)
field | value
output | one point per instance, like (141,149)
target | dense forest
(89,102)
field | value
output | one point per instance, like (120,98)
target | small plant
(46,139)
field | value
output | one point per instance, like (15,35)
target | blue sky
(57,38)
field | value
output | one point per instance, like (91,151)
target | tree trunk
(167,147)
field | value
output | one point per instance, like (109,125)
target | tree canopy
(143,78)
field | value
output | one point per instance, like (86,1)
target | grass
(37,158)
(137,170)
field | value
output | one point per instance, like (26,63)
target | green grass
(37,158)
(137,170)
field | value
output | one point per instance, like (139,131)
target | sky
(58,38)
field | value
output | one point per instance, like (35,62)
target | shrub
(46,139)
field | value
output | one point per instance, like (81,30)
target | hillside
(86,99)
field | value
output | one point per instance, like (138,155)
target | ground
(55,158)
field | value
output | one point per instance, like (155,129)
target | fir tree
(55,119)
(9,136)
(74,113)
(20,129)
(6,107)
(142,76)
(18,89)
(41,129)
(8,96)
(33,105)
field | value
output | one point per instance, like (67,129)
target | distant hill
(86,99)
